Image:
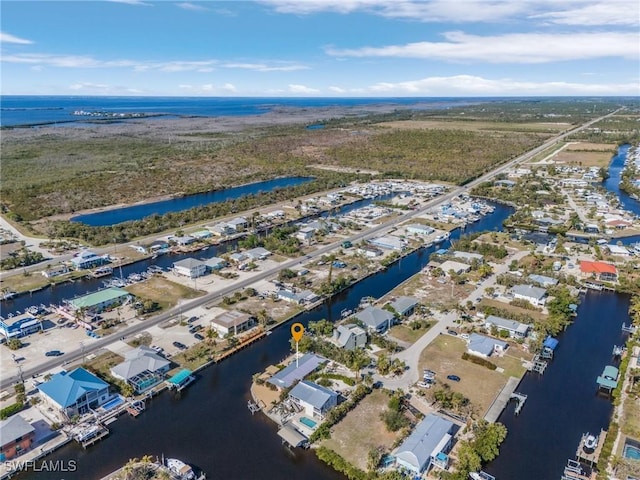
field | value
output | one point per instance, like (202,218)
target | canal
(210,425)
(138,212)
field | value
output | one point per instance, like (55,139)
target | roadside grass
(362,430)
(405,333)
(479,384)
(102,364)
(476,125)
(165,292)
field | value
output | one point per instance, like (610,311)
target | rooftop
(13,428)
(312,394)
(66,388)
(426,441)
(99,297)
(291,373)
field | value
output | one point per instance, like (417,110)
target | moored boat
(181,469)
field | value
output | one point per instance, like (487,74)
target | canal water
(210,425)
(138,212)
(563,403)
(613,182)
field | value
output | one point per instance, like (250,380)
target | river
(138,212)
(211,427)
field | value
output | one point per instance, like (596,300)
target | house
(142,368)
(350,337)
(484,346)
(99,301)
(419,229)
(375,318)
(238,224)
(618,250)
(457,267)
(73,393)
(202,234)
(515,329)
(190,267)
(157,245)
(603,271)
(543,280)
(304,296)
(315,399)
(431,437)
(232,322)
(305,234)
(88,259)
(505,183)
(405,306)
(467,257)
(257,253)
(296,370)
(369,251)
(182,241)
(215,263)
(19,326)
(388,242)
(237,257)
(220,229)
(16,437)
(534,295)
(55,271)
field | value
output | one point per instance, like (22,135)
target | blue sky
(364,48)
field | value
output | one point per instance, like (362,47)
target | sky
(323,48)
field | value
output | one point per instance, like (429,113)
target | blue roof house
(315,399)
(74,393)
(429,439)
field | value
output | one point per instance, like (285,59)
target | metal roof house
(98,301)
(292,372)
(515,329)
(483,346)
(74,393)
(143,368)
(88,259)
(376,318)
(257,253)
(543,280)
(350,337)
(16,436)
(389,242)
(534,295)
(315,399)
(431,437)
(233,322)
(419,229)
(405,306)
(190,267)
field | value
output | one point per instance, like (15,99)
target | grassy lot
(23,283)
(362,430)
(405,333)
(103,363)
(479,384)
(535,314)
(199,354)
(584,158)
(165,292)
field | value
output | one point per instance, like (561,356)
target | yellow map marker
(297,330)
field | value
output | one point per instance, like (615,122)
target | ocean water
(33,110)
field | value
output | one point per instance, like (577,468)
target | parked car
(156,348)
(453,378)
(179,345)
(54,353)
(452,332)
(198,336)
(192,319)
(195,328)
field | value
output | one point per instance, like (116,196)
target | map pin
(297,330)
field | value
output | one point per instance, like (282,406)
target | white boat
(181,469)
(590,442)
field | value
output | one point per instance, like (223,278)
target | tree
(357,361)
(487,439)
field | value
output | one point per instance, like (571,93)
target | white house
(315,399)
(55,271)
(389,242)
(376,318)
(257,253)
(238,224)
(305,234)
(515,329)
(350,337)
(431,438)
(484,346)
(88,259)
(467,257)
(534,295)
(190,267)
(369,251)
(142,368)
(232,322)
(457,267)
(419,229)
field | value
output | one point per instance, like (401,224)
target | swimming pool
(113,403)
(631,450)
(308,422)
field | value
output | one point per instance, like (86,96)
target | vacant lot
(405,333)
(535,314)
(103,363)
(583,158)
(479,384)
(165,292)
(362,430)
(477,125)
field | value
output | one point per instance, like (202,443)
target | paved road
(134,329)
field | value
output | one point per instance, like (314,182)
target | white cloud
(8,38)
(229,87)
(133,2)
(470,85)
(569,12)
(90,86)
(297,89)
(196,7)
(338,89)
(509,48)
(64,61)
(207,89)
(178,66)
(261,67)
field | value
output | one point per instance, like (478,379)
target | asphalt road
(134,329)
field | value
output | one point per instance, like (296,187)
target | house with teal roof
(73,393)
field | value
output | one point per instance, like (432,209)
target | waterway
(211,427)
(612,183)
(179,204)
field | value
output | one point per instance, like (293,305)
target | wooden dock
(501,400)
(590,458)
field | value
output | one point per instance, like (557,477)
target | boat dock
(574,470)
(501,400)
(87,435)
(136,408)
(181,379)
(520,398)
(590,458)
(253,407)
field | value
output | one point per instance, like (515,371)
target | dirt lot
(165,292)
(362,430)
(584,158)
(479,384)
(434,294)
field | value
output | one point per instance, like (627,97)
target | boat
(441,238)
(181,469)
(590,442)
(102,272)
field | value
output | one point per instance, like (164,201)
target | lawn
(535,314)
(588,158)
(102,363)
(199,354)
(479,384)
(405,333)
(165,292)
(361,430)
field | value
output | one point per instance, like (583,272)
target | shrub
(6,412)
(479,361)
